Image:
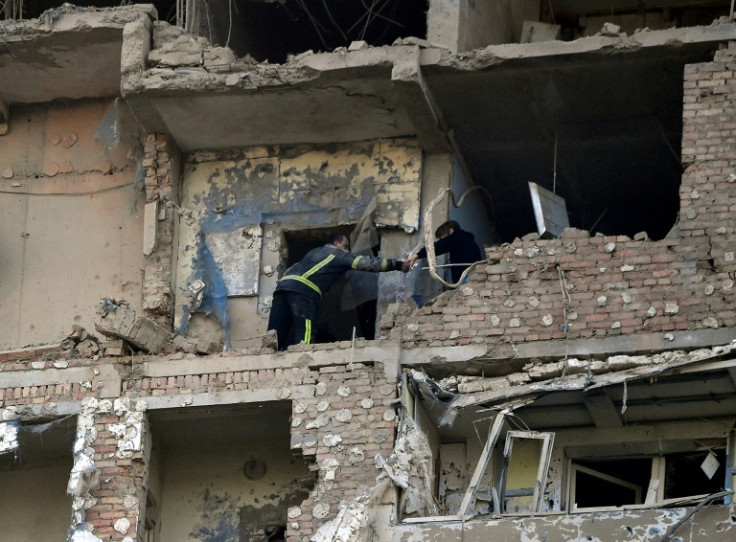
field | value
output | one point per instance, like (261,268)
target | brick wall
(161,178)
(342,417)
(580,286)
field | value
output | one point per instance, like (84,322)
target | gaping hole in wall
(31,9)
(579,18)
(342,308)
(273,29)
(33,480)
(617,176)
(223,473)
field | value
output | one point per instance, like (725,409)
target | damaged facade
(162,164)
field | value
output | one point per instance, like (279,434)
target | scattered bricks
(114,348)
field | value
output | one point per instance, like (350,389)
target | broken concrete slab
(122,323)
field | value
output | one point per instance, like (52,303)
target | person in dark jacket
(456,242)
(298,293)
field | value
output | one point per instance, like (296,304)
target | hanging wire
(332,19)
(230,24)
(554,166)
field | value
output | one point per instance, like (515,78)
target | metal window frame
(543,468)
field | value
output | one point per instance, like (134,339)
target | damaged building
(163,164)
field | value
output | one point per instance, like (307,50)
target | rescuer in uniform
(296,298)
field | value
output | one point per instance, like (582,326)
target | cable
(429,244)
(230,27)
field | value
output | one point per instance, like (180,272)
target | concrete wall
(464,25)
(72,220)
(285,189)
(494,22)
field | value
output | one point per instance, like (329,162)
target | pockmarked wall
(340,415)
(71,222)
(579,286)
(240,202)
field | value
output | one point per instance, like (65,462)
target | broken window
(615,482)
(524,471)
(37,467)
(273,29)
(223,472)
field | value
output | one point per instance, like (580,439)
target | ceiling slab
(70,53)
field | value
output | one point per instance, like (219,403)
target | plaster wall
(72,225)
(44,509)
(282,189)
(205,493)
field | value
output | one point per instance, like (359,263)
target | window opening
(37,470)
(615,482)
(338,316)
(226,469)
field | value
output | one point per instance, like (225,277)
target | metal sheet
(550,211)
(238,255)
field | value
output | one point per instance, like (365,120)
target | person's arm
(441,246)
(370,263)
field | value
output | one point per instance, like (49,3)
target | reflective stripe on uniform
(318,266)
(307,282)
(307,331)
(355,262)
(304,278)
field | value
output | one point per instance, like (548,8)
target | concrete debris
(410,467)
(610,29)
(81,534)
(121,322)
(564,375)
(8,437)
(80,343)
(84,475)
(353,522)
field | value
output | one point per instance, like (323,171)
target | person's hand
(406,265)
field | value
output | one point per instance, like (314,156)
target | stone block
(136,45)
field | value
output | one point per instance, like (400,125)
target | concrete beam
(416,98)
(502,359)
(602,410)
(104,378)
(229,397)
(386,353)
